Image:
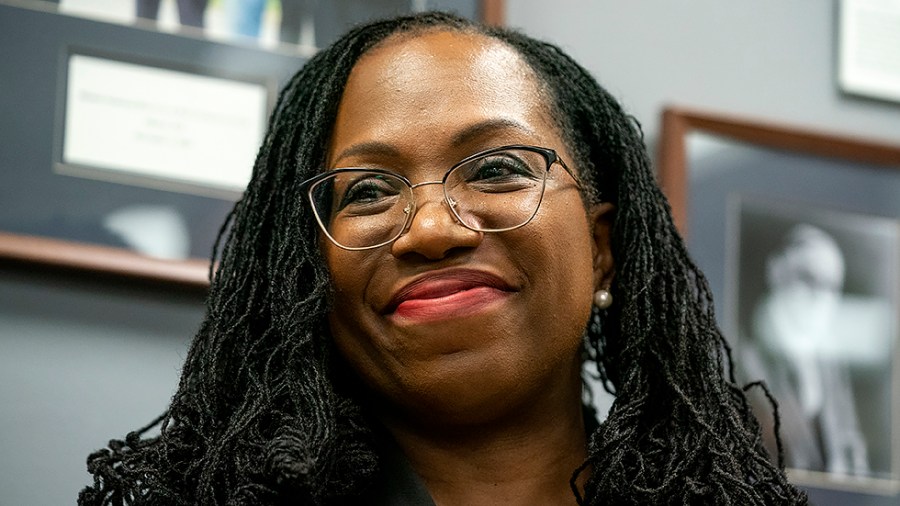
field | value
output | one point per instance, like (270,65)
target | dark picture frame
(737,186)
(60,219)
(299,26)
(65,220)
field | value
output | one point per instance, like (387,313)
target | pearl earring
(602,298)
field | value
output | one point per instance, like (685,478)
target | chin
(477,388)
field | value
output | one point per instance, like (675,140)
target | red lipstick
(447,294)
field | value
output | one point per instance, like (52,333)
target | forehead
(430,86)
(471,54)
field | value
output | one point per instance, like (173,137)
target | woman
(445,221)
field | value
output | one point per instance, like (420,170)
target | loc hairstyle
(259,416)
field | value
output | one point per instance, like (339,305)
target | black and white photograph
(816,297)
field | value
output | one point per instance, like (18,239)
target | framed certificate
(149,125)
(125,148)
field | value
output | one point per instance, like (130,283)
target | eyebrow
(371,148)
(466,135)
(488,127)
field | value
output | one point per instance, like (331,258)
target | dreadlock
(259,415)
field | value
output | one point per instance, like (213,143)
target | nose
(434,231)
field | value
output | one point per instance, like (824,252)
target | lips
(447,294)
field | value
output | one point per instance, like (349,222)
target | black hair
(259,418)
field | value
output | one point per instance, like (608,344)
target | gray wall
(769,59)
(81,362)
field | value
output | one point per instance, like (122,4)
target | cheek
(564,280)
(573,283)
(349,278)
(358,333)
(569,249)
(350,273)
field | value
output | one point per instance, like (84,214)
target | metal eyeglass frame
(550,156)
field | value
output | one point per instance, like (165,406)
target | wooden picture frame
(678,123)
(32,252)
(737,186)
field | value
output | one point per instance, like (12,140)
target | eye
(368,193)
(501,172)
(498,167)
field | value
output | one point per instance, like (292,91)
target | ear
(601,219)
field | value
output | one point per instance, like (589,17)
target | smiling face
(446,323)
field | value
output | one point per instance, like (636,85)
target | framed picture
(132,128)
(798,233)
(814,314)
(298,26)
(868,38)
(127,147)
(146,124)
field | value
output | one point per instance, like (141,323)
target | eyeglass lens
(494,192)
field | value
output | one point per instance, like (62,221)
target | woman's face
(447,323)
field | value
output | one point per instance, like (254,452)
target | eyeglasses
(492,191)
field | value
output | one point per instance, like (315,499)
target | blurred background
(103,251)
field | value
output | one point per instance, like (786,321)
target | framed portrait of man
(813,308)
(798,234)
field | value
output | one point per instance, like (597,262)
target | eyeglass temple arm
(565,167)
